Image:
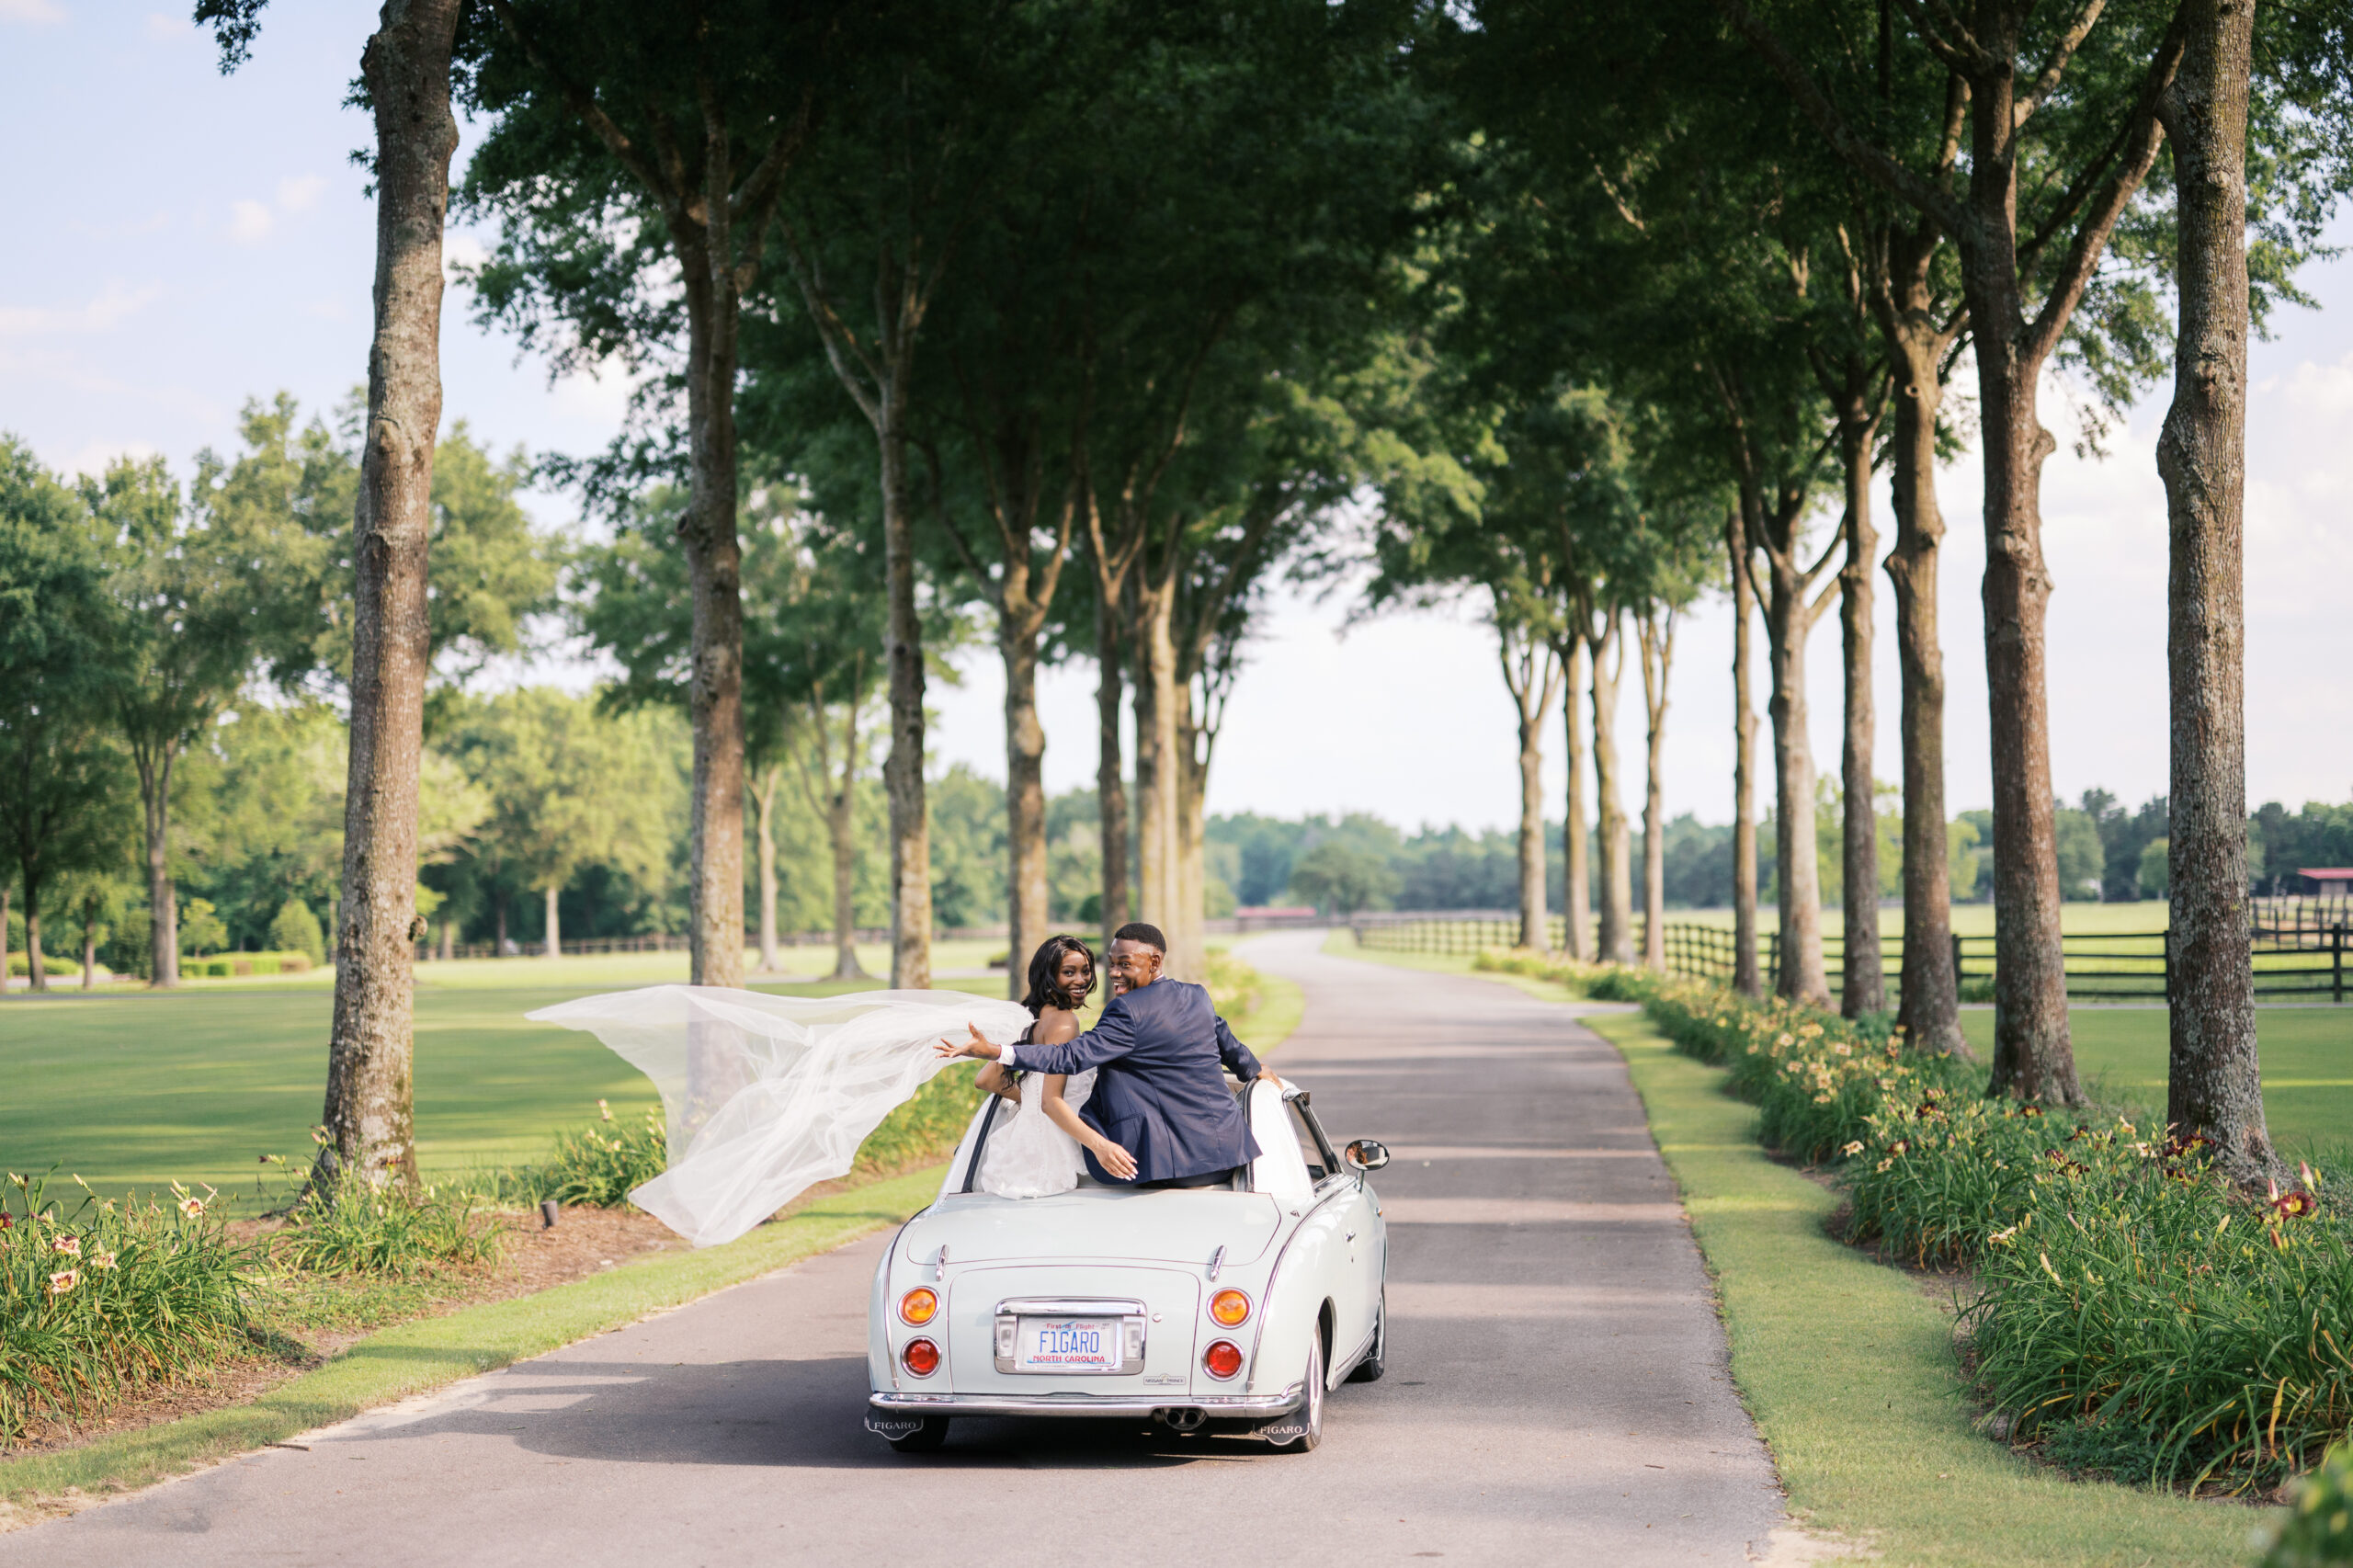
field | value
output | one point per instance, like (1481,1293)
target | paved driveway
(1557,1389)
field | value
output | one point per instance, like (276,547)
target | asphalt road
(1557,1389)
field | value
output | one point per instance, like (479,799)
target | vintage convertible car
(1231,1309)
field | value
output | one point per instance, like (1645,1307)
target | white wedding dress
(1028,1155)
(768,1095)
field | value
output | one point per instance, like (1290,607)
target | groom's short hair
(1137,931)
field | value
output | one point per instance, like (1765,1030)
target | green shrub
(1232,986)
(2319,1528)
(2138,1294)
(104,1297)
(354,1226)
(296,930)
(598,1165)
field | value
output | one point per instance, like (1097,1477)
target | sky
(186,241)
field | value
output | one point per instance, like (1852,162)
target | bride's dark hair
(1045,989)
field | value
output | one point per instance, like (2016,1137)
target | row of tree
(1087,312)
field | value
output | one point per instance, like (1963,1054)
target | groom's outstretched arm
(1113,1036)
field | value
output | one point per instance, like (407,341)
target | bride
(1036,1154)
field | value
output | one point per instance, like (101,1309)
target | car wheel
(1376,1360)
(924,1439)
(1310,1415)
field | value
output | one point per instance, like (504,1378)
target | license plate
(1067,1344)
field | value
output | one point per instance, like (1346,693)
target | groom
(1162,1054)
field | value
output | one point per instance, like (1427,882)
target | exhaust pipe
(1181,1417)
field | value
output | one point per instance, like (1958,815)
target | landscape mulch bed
(583,1242)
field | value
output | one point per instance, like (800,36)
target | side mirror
(1365,1154)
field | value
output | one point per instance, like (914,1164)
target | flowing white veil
(768,1095)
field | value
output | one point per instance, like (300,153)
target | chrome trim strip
(1071,1306)
(1086,1404)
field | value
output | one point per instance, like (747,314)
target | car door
(1355,1257)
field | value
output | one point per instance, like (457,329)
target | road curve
(1557,1387)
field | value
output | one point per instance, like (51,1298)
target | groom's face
(1133,964)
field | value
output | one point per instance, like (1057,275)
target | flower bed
(2134,1316)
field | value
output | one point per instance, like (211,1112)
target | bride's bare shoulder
(1054,1025)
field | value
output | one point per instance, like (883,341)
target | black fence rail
(2292,961)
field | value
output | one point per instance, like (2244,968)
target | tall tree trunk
(554,936)
(1188,928)
(714,568)
(764,797)
(1110,778)
(36,964)
(1745,978)
(368,1109)
(163,902)
(89,956)
(1929,994)
(1658,662)
(2214,1083)
(902,767)
(1156,759)
(1788,620)
(1532,674)
(1616,942)
(1028,895)
(1577,880)
(448,939)
(841,828)
(1865,989)
(498,938)
(6,893)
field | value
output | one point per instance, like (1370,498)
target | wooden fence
(2292,961)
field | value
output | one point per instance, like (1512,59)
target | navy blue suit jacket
(1160,1053)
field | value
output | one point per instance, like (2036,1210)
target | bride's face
(1074,976)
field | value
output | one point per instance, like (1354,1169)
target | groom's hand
(977,1046)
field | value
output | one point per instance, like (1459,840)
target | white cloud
(94,456)
(250,223)
(113,305)
(37,13)
(301,193)
(164,28)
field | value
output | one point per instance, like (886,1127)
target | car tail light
(1220,1360)
(1229,1309)
(917,1306)
(921,1358)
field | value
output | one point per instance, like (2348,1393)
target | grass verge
(1847,1365)
(426,1354)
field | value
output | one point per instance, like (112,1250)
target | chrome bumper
(1249,1407)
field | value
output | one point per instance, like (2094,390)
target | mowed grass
(132,1091)
(2307,1064)
(1849,1367)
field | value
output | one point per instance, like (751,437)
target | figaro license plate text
(1064,1345)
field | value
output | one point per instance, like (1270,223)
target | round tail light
(1229,1309)
(921,1358)
(917,1306)
(1220,1360)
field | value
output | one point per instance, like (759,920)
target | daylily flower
(2293,1204)
(604,1110)
(65,1280)
(192,1207)
(102,1260)
(69,1245)
(1853,1149)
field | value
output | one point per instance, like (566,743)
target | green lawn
(2307,1064)
(130,1090)
(1848,1367)
(135,1090)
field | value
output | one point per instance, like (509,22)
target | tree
(599,195)
(404,81)
(568,787)
(1342,878)
(59,773)
(2214,1081)
(181,641)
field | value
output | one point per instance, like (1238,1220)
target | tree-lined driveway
(1557,1388)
